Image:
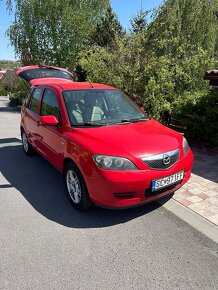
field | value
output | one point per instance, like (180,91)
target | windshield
(101,107)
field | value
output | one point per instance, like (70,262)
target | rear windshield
(100,107)
(37,73)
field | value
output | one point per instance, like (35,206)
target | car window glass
(50,104)
(35,100)
(120,104)
(101,106)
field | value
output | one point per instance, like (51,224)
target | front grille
(162,161)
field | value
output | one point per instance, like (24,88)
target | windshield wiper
(118,122)
(124,121)
(89,124)
(138,120)
(128,121)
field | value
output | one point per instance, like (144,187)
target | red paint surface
(132,141)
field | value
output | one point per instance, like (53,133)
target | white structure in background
(2,72)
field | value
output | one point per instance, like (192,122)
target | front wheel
(76,188)
(27,147)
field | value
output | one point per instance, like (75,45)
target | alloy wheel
(73,186)
(25,142)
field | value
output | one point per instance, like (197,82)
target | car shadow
(10,109)
(205,164)
(42,186)
(7,107)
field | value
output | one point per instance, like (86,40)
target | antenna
(91,84)
(141,4)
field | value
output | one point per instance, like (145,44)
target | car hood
(136,139)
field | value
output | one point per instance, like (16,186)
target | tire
(76,188)
(27,147)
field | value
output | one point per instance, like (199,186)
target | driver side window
(50,104)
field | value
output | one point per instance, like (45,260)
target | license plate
(168,180)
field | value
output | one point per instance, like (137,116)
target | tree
(53,31)
(139,23)
(181,27)
(162,62)
(106,30)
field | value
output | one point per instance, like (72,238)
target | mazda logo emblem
(166,159)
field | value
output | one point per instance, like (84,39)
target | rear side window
(35,100)
(50,104)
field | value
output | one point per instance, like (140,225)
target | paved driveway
(46,244)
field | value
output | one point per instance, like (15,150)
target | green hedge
(198,112)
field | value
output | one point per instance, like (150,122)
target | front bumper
(122,189)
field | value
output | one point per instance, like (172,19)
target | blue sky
(125,9)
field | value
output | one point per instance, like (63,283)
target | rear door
(31,116)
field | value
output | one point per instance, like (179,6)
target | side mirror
(49,121)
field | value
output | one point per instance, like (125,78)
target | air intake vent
(124,194)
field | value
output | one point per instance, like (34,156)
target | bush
(3,92)
(16,99)
(18,93)
(198,112)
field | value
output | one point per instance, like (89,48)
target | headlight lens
(113,163)
(185,146)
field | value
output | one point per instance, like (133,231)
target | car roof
(66,84)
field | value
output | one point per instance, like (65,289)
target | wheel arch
(68,160)
(88,202)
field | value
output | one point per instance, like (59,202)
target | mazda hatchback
(110,152)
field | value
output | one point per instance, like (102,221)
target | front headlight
(185,146)
(113,163)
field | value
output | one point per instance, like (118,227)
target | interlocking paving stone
(196,206)
(195,191)
(200,193)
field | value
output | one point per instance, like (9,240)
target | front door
(51,136)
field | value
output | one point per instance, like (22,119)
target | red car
(110,153)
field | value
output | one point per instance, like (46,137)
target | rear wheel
(27,147)
(76,187)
